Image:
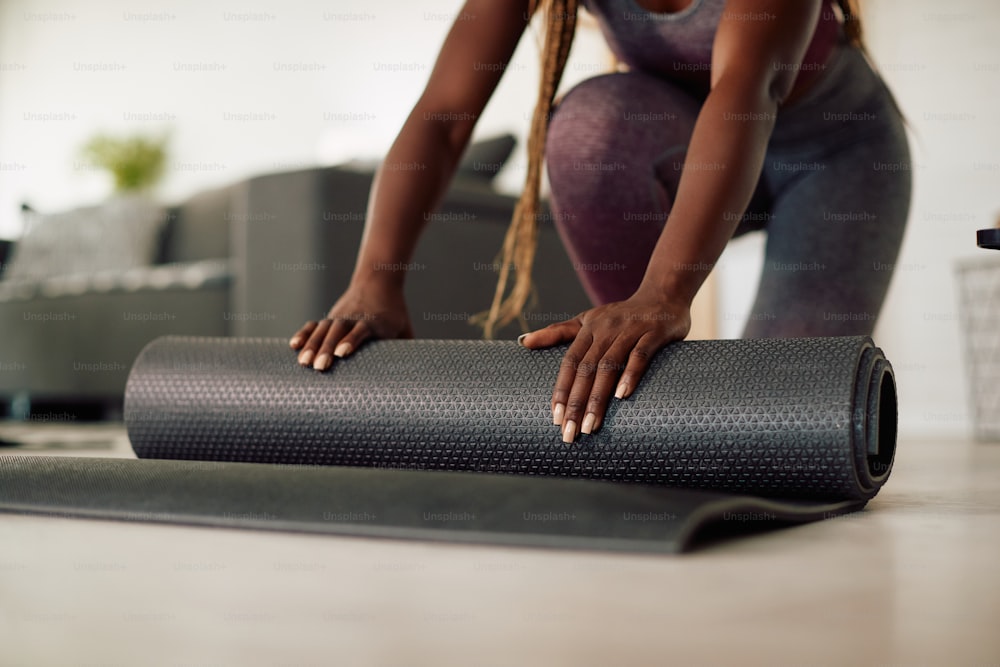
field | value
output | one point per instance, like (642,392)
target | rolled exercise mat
(784,418)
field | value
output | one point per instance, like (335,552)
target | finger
(566,376)
(315,340)
(594,394)
(554,334)
(302,335)
(359,333)
(579,394)
(324,356)
(609,370)
(564,379)
(638,361)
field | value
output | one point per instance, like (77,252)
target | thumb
(554,334)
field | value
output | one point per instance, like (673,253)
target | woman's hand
(368,310)
(612,346)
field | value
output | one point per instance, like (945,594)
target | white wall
(941,59)
(324,81)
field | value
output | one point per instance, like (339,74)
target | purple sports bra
(678,45)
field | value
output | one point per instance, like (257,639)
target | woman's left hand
(611,348)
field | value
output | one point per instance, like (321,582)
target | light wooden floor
(915,580)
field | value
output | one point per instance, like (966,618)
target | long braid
(852,22)
(851,10)
(522,235)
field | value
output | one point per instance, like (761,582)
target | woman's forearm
(407,188)
(721,170)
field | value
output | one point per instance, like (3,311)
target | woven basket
(979,302)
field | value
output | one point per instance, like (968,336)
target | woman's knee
(615,118)
(585,121)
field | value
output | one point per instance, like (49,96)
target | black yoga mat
(735,430)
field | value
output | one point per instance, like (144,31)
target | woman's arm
(755,58)
(413,177)
(422,160)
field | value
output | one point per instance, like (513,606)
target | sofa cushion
(122,233)
(181,276)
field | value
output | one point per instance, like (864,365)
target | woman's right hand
(368,310)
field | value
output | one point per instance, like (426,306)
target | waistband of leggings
(849,91)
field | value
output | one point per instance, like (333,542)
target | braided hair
(521,239)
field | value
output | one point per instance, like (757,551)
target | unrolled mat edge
(440,506)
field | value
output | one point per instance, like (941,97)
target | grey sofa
(258,258)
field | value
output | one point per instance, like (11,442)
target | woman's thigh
(833,238)
(615,149)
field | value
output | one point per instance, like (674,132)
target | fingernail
(557,413)
(342,350)
(322,362)
(294,342)
(588,423)
(569,431)
(520,339)
(306,357)
(621,391)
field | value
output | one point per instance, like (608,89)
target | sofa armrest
(293,252)
(6,250)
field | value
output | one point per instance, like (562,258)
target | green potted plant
(123,230)
(136,163)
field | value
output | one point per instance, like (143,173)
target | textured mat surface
(797,428)
(795,418)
